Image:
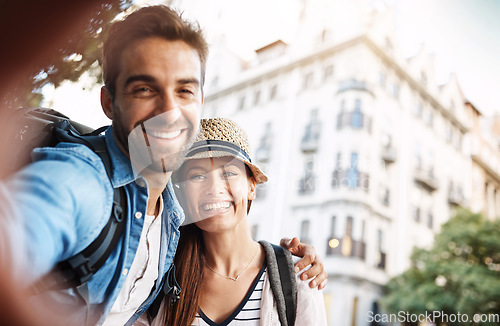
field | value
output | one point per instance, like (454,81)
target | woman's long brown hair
(189,263)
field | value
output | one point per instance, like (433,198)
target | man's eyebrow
(189,81)
(134,78)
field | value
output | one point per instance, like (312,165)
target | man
(153,65)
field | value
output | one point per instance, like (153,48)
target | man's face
(157,105)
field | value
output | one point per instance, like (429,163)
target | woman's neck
(229,252)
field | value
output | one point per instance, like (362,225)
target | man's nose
(169,109)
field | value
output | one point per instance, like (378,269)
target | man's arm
(47,207)
(316,273)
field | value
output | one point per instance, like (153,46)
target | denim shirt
(62,202)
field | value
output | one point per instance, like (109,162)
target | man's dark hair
(153,21)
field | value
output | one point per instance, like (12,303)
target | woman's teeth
(210,207)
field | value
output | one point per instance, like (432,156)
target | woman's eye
(228,174)
(197,177)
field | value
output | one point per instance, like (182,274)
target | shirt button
(138,215)
(125,272)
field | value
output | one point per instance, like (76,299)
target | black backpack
(41,127)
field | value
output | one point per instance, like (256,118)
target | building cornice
(285,63)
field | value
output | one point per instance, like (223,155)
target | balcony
(346,247)
(381,260)
(354,120)
(307,184)
(388,154)
(426,178)
(456,196)
(263,154)
(354,85)
(350,178)
(310,141)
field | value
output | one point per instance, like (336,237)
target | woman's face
(215,192)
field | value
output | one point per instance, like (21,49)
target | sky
(464,36)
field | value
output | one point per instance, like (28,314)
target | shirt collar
(122,168)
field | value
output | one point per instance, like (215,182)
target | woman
(221,270)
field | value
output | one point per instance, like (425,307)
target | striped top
(247,313)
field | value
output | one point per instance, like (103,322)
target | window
(256,98)
(381,79)
(328,73)
(381,254)
(395,90)
(308,80)
(333,241)
(416,214)
(347,242)
(418,109)
(304,231)
(333,222)
(307,182)
(449,132)
(357,115)
(241,105)
(348,228)
(429,118)
(353,172)
(273,92)
(254,231)
(423,78)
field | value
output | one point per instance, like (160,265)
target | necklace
(237,276)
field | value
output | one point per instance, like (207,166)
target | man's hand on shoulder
(316,274)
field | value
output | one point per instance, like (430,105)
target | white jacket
(310,305)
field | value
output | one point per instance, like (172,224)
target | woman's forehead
(213,163)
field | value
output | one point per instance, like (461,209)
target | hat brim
(259,176)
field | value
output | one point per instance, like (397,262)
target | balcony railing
(347,247)
(350,178)
(426,178)
(310,140)
(307,184)
(354,120)
(456,196)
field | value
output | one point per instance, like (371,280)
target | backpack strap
(79,269)
(282,281)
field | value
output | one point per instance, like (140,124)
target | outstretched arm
(316,274)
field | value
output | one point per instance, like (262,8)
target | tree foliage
(459,274)
(78,53)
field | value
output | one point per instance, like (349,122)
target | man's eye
(142,89)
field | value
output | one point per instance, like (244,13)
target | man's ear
(251,188)
(106,103)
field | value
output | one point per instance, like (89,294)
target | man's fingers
(323,284)
(285,242)
(307,260)
(319,281)
(290,243)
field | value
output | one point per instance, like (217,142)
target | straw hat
(220,137)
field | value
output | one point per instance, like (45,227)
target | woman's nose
(217,185)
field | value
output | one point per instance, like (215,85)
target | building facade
(366,154)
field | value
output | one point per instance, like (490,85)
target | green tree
(80,51)
(459,274)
